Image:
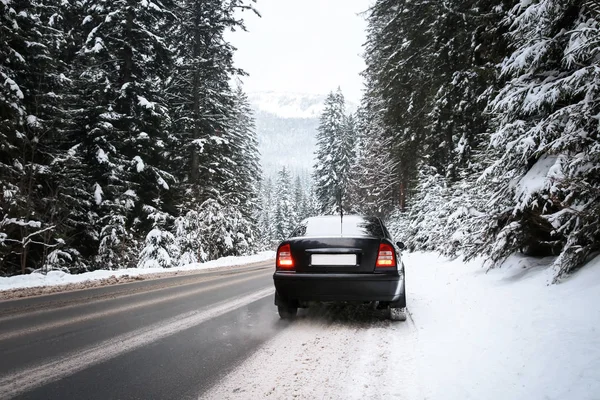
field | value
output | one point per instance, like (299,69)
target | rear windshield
(349,226)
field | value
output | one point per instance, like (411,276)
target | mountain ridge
(292,104)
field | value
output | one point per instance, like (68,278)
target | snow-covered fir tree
(123,62)
(266,215)
(243,157)
(531,185)
(398,54)
(335,146)
(284,203)
(201,97)
(371,180)
(286,216)
(544,184)
(92,143)
(450,49)
(32,77)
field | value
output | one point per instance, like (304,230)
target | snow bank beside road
(57,278)
(505,334)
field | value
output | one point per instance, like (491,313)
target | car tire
(397,314)
(287,312)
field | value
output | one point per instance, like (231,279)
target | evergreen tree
(93,100)
(160,251)
(285,212)
(300,201)
(31,100)
(371,185)
(123,62)
(265,227)
(398,76)
(335,141)
(223,231)
(243,157)
(544,184)
(430,71)
(200,95)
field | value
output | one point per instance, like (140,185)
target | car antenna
(341,211)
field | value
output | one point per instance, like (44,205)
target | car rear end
(338,259)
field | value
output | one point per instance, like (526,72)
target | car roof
(337,225)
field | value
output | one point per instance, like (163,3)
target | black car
(346,258)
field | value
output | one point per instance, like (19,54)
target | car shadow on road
(357,316)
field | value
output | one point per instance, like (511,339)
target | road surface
(170,338)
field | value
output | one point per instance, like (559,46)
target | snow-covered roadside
(57,278)
(505,334)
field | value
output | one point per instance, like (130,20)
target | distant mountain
(286,142)
(288,105)
(286,126)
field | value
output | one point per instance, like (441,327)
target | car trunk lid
(335,254)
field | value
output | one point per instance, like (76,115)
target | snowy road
(331,353)
(506,334)
(165,338)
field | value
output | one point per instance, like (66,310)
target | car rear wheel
(287,312)
(397,314)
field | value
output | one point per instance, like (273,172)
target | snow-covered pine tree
(222,230)
(398,55)
(213,149)
(309,206)
(436,127)
(266,215)
(371,182)
(160,251)
(286,217)
(335,141)
(67,194)
(244,158)
(186,229)
(300,199)
(124,120)
(200,95)
(87,153)
(12,119)
(32,77)
(544,185)
(467,44)
(450,50)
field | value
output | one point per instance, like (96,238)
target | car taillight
(385,256)
(284,257)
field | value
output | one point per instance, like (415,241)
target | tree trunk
(402,196)
(195,166)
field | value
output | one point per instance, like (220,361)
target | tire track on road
(29,378)
(120,290)
(129,307)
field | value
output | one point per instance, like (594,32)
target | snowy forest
(478,132)
(123,141)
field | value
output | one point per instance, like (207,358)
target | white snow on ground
(504,334)
(55,278)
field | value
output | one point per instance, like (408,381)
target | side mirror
(400,245)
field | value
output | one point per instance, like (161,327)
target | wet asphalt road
(170,338)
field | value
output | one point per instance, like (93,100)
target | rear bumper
(292,287)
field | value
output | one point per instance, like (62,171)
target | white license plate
(333,259)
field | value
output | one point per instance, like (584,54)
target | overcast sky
(305,46)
